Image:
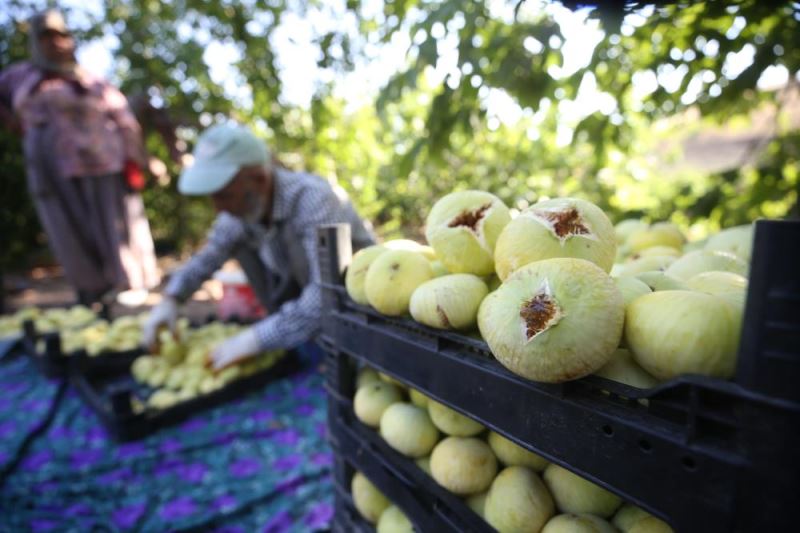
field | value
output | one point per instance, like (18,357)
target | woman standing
(83,156)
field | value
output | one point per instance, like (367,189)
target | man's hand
(165,312)
(234,350)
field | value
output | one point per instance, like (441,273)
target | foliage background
(420,138)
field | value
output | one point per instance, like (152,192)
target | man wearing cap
(267,219)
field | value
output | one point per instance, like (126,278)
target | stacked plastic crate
(701,453)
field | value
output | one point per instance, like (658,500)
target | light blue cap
(219,154)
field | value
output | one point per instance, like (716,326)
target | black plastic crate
(769,352)
(108,392)
(701,453)
(10,346)
(430,507)
(53,362)
(346,518)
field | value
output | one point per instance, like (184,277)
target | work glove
(233,350)
(165,312)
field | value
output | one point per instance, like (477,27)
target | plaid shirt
(301,202)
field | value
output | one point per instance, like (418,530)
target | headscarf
(49,19)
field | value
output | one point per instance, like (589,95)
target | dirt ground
(47,287)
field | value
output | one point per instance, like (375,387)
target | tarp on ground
(257,464)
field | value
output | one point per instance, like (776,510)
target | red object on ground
(238,298)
